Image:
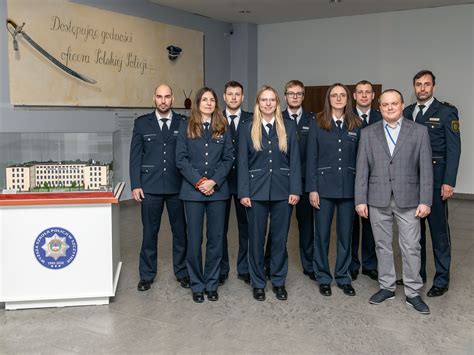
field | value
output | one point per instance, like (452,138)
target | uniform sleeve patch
(455,126)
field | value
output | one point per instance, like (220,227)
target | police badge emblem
(55,248)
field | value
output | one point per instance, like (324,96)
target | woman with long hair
(269,184)
(204,158)
(330,174)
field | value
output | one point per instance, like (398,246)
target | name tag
(434,119)
(354,134)
(304,128)
(175,132)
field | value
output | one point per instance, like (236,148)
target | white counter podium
(59,249)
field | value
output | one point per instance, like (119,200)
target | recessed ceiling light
(244,12)
(335,1)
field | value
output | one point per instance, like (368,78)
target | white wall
(387,49)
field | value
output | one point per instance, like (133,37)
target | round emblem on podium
(55,248)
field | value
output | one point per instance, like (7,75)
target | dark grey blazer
(408,174)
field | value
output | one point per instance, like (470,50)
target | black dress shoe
(212,295)
(185,282)
(437,291)
(259,294)
(354,275)
(399,282)
(373,274)
(325,289)
(244,277)
(222,279)
(347,289)
(310,274)
(198,297)
(280,293)
(144,285)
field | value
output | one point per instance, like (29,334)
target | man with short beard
(154,181)
(442,121)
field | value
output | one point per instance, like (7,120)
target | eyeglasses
(341,96)
(294,94)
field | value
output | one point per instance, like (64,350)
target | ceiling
(272,11)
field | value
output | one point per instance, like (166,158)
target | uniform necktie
(295,117)
(233,129)
(164,126)
(339,124)
(364,117)
(269,126)
(206,127)
(419,115)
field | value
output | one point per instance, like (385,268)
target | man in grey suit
(394,180)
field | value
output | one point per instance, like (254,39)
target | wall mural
(66,54)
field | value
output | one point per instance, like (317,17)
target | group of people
(370,167)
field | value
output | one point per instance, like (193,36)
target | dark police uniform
(368,255)
(153,168)
(443,126)
(212,158)
(268,177)
(242,256)
(330,171)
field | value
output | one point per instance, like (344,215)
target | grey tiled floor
(166,320)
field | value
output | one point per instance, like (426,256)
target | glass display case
(57,162)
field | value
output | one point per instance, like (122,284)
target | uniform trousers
(304,216)
(323,219)
(151,211)
(440,239)
(206,279)
(280,214)
(243,229)
(409,240)
(368,257)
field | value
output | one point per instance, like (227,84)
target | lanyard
(389,135)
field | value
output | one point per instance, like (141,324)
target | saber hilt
(16,30)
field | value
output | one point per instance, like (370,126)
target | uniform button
(271,170)
(206,163)
(269,142)
(205,172)
(389,179)
(340,168)
(269,151)
(340,159)
(146,171)
(164,152)
(206,145)
(149,139)
(251,175)
(270,160)
(164,169)
(340,149)
(339,141)
(391,163)
(164,144)
(233,140)
(434,162)
(322,172)
(207,153)
(164,161)
(233,158)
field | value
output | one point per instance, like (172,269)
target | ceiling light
(335,1)
(244,12)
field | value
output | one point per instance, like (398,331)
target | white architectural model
(85,175)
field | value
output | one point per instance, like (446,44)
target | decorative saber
(15,30)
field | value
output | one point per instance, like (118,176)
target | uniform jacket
(232,177)
(152,156)
(269,175)
(302,131)
(408,174)
(331,160)
(203,156)
(442,122)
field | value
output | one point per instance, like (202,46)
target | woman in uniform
(269,184)
(204,158)
(331,159)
